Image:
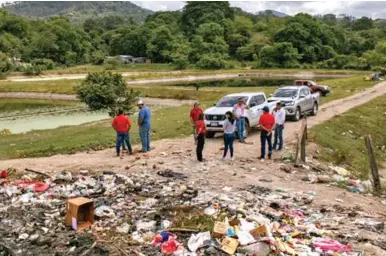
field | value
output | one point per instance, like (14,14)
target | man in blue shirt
(144,120)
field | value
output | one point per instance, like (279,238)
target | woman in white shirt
(229,133)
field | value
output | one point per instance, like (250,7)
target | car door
(253,111)
(260,101)
(303,99)
(309,101)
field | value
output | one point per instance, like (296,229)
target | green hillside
(77,11)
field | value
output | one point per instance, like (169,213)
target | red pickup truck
(322,89)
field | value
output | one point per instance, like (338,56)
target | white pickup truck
(215,116)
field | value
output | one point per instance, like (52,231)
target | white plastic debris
(104,211)
(199,240)
(146,226)
(124,228)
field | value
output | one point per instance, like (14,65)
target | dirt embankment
(180,78)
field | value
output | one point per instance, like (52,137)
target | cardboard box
(261,231)
(219,229)
(80,213)
(229,245)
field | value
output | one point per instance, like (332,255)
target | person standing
(200,135)
(229,134)
(194,117)
(122,125)
(279,115)
(144,121)
(267,124)
(239,113)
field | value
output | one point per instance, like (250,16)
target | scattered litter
(199,240)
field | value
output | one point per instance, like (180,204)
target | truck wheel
(314,109)
(297,115)
(210,135)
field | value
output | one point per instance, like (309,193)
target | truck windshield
(230,101)
(285,93)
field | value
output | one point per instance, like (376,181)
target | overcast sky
(374,9)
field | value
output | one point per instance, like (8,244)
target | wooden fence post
(373,164)
(301,143)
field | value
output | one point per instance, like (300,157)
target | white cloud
(374,9)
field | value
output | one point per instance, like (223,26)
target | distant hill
(275,13)
(77,11)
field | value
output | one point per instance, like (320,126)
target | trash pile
(161,214)
(339,176)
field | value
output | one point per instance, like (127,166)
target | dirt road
(178,155)
(181,78)
(55,96)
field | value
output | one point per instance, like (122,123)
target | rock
(23,236)
(286,168)
(34,237)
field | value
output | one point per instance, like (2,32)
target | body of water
(51,121)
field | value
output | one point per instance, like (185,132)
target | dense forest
(209,35)
(77,11)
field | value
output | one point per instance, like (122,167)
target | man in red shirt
(200,135)
(267,124)
(122,125)
(195,116)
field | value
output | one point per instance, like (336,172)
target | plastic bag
(199,240)
(327,244)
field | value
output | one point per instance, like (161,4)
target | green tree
(362,24)
(196,13)
(181,50)
(5,65)
(159,47)
(209,41)
(106,90)
(281,55)
(98,57)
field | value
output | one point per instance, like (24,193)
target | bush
(44,64)
(111,64)
(5,65)
(105,90)
(211,61)
(98,57)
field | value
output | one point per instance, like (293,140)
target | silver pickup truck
(297,101)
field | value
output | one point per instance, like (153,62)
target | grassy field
(191,70)
(59,86)
(166,123)
(11,105)
(340,87)
(349,149)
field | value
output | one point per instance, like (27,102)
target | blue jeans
(228,142)
(264,137)
(123,137)
(144,134)
(278,136)
(240,124)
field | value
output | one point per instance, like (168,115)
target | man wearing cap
(267,124)
(279,114)
(239,112)
(195,116)
(144,120)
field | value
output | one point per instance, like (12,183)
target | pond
(246,82)
(21,124)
